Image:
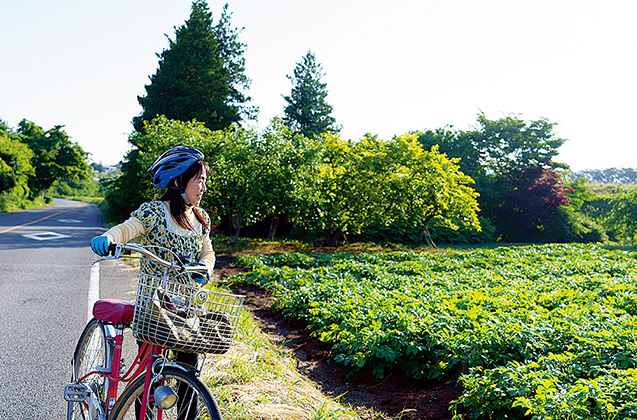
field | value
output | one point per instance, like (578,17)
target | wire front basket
(175,313)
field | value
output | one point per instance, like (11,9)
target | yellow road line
(30,223)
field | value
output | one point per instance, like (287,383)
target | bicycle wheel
(92,351)
(195,401)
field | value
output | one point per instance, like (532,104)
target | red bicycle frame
(143,363)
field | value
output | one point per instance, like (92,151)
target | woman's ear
(174,181)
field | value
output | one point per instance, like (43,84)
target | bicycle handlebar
(116,251)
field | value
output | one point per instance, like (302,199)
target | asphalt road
(45,267)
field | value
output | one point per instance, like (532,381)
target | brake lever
(114,249)
(112,257)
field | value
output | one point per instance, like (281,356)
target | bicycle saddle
(115,311)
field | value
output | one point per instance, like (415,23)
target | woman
(174,221)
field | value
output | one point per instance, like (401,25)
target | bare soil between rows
(394,396)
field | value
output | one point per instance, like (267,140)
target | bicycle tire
(182,383)
(92,351)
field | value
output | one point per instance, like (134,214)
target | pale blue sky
(391,66)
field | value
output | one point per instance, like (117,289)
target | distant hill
(609,176)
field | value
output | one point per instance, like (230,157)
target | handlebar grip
(111,249)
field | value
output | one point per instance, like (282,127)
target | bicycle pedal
(76,392)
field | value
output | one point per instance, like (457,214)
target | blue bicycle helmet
(173,163)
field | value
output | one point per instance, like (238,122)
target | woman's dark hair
(176,201)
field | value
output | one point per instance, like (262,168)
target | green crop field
(543,332)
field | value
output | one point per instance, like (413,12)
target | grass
(257,380)
(91,200)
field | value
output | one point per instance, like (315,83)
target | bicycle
(171,312)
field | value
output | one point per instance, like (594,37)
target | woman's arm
(208,254)
(126,231)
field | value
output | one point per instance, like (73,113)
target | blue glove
(99,245)
(200,277)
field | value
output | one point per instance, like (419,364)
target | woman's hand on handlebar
(100,245)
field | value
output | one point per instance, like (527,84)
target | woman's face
(195,188)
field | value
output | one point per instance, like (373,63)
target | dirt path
(391,395)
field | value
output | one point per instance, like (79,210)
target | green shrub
(569,226)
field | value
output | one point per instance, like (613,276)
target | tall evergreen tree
(231,52)
(200,75)
(307,111)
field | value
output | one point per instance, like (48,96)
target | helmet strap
(182,191)
(186,200)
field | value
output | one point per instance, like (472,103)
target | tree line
(411,185)
(609,175)
(32,160)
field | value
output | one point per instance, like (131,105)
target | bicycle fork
(155,394)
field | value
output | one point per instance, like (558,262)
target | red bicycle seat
(115,311)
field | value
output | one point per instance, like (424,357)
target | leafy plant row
(547,332)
